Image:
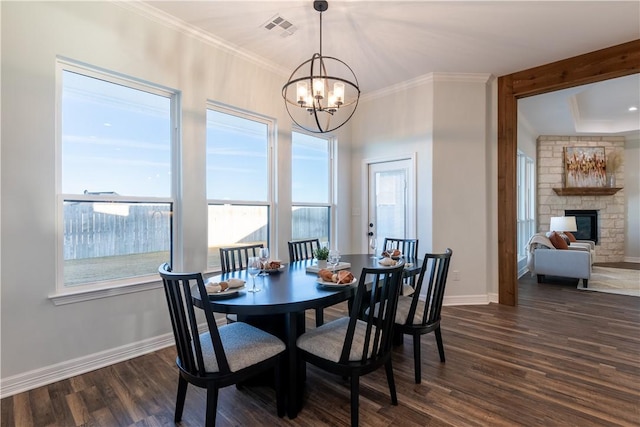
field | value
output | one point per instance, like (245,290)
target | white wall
(455,155)
(632,193)
(463,208)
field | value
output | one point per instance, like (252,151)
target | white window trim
(331,204)
(67,295)
(272,169)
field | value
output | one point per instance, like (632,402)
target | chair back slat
(378,289)
(178,289)
(302,249)
(408,247)
(235,258)
(435,269)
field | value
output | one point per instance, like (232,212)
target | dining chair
(300,250)
(234,258)
(355,345)
(417,317)
(409,249)
(218,357)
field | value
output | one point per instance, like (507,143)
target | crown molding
(427,79)
(463,77)
(147,11)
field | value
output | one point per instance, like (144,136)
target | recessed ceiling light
(633,108)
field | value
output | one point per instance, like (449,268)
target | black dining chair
(234,258)
(417,317)
(218,357)
(356,345)
(409,249)
(300,250)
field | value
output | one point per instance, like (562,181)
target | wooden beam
(616,61)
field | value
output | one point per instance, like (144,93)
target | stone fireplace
(609,209)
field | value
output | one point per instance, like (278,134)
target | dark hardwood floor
(562,357)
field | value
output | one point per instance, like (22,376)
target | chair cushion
(326,341)
(557,241)
(243,344)
(407,289)
(404,304)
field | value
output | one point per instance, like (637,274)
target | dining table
(279,307)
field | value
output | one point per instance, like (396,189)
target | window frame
(526,206)
(92,290)
(330,204)
(271,170)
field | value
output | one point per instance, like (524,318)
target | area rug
(613,281)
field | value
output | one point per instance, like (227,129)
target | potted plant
(322,254)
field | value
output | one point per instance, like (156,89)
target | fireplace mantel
(586,191)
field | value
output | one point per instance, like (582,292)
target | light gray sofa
(575,262)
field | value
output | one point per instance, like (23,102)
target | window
(239,179)
(115,198)
(310,187)
(526,205)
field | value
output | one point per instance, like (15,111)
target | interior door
(391,201)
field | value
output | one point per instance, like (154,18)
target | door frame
(616,61)
(412,194)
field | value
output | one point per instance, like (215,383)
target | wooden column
(616,61)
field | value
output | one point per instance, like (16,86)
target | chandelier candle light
(322,93)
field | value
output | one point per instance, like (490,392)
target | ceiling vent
(280,25)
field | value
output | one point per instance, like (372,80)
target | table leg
(296,370)
(292,367)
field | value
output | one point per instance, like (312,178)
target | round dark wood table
(280,306)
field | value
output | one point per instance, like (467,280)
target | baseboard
(470,299)
(632,259)
(60,371)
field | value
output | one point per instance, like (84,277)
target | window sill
(62,298)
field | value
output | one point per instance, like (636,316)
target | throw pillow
(557,241)
(565,238)
(570,235)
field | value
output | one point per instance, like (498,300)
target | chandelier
(322,93)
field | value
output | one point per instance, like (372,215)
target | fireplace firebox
(587,222)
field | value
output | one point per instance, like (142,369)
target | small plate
(276,270)
(237,283)
(393,257)
(228,293)
(331,285)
